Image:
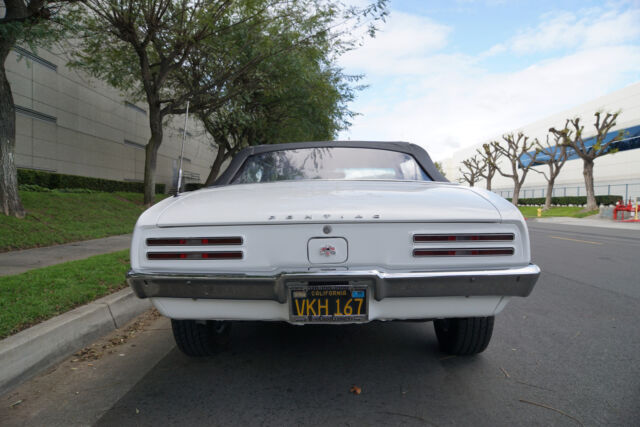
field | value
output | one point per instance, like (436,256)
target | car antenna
(184,137)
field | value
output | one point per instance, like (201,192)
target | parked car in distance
(332,232)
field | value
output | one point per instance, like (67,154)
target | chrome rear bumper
(505,282)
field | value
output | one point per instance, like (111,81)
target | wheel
(197,339)
(464,336)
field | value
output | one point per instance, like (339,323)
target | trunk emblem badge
(327,250)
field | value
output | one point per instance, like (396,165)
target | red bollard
(622,208)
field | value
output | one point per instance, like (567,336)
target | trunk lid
(328,202)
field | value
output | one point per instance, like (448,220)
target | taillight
(462,252)
(443,248)
(166,255)
(484,237)
(196,255)
(166,242)
(195,241)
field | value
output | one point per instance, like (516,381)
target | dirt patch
(108,346)
(124,199)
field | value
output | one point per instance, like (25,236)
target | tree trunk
(489,179)
(9,197)
(547,200)
(151,154)
(516,194)
(588,183)
(217,164)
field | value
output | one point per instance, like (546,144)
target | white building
(69,123)
(617,173)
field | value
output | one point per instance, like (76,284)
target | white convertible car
(332,232)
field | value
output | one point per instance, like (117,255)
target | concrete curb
(33,350)
(586,222)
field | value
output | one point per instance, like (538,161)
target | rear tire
(197,339)
(464,336)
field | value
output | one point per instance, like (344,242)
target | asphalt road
(566,355)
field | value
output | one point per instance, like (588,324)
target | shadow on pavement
(279,374)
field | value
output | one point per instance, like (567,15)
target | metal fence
(628,190)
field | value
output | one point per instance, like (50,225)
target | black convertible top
(416,151)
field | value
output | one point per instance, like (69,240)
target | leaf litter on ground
(96,351)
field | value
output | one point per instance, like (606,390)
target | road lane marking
(576,240)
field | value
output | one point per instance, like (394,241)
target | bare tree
(490,155)
(557,153)
(518,147)
(589,152)
(470,170)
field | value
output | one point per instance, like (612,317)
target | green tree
(136,46)
(143,48)
(297,95)
(440,168)
(34,22)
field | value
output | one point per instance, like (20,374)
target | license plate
(328,303)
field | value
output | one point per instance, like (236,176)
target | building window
(181,130)
(135,107)
(134,144)
(191,176)
(35,58)
(37,169)
(35,114)
(630,141)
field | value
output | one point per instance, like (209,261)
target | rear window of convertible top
(341,163)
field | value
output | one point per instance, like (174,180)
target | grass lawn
(56,217)
(572,211)
(37,295)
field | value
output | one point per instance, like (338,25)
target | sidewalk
(593,221)
(34,350)
(17,262)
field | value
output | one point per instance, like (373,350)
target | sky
(450,74)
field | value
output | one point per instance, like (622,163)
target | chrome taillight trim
(464,237)
(196,241)
(218,255)
(463,252)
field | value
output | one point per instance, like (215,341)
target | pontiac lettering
(325,216)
